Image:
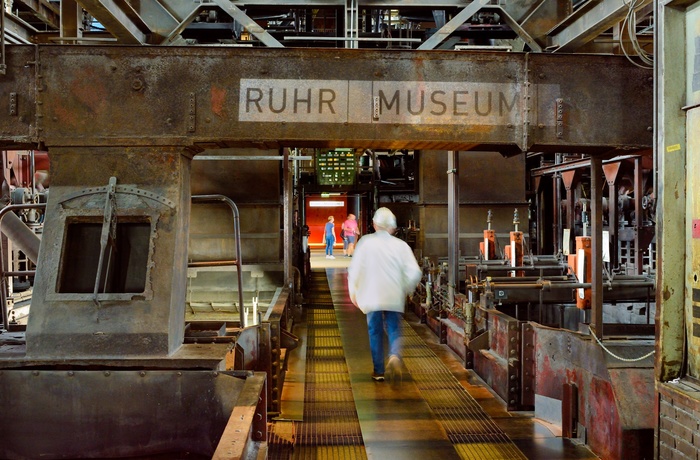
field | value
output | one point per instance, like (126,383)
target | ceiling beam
(43,11)
(115,20)
(445,31)
(587,23)
(249,24)
(156,17)
(17,31)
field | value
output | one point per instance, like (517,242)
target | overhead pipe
(3,66)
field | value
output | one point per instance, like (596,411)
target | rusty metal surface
(528,365)
(672,189)
(615,398)
(68,323)
(155,96)
(501,364)
(456,340)
(630,125)
(81,413)
(477,173)
(280,342)
(245,434)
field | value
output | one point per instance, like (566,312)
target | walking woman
(329,234)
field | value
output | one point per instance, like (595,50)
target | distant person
(305,233)
(382,273)
(329,234)
(350,234)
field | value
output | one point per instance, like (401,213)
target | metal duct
(21,235)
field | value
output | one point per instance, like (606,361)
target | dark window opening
(123,266)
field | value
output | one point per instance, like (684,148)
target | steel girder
(231,97)
(589,22)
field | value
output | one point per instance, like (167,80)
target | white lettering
(371,102)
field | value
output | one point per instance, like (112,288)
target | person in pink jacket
(350,233)
(382,273)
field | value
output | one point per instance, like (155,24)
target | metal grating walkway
(330,428)
(473,433)
(430,416)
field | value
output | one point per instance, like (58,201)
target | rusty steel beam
(44,11)
(509,102)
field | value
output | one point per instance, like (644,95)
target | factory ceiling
(580,26)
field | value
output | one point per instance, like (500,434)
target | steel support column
(597,246)
(638,218)
(288,196)
(453,223)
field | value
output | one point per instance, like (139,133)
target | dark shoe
(377,377)
(394,369)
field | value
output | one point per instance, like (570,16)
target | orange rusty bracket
(246,430)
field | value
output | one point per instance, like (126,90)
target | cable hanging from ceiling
(630,22)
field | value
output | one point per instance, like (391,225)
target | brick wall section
(678,433)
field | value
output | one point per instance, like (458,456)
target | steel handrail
(237,239)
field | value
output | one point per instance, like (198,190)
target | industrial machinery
(525,323)
(140,285)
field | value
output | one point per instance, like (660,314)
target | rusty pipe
(3,66)
(21,235)
(3,294)
(212,263)
(549,285)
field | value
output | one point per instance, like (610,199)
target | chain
(628,360)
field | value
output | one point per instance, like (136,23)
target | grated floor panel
(474,434)
(330,428)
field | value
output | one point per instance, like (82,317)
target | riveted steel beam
(507,102)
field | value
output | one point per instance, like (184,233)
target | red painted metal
(696,228)
(615,403)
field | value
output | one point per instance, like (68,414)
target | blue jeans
(377,323)
(329,245)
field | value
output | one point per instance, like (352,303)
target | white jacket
(382,273)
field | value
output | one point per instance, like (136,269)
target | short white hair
(384,218)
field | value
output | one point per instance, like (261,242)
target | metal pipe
(546,285)
(25,239)
(236,237)
(496,279)
(487,268)
(288,208)
(213,263)
(597,246)
(3,66)
(453,222)
(3,294)
(556,208)
(21,273)
(549,285)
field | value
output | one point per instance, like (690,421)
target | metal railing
(237,239)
